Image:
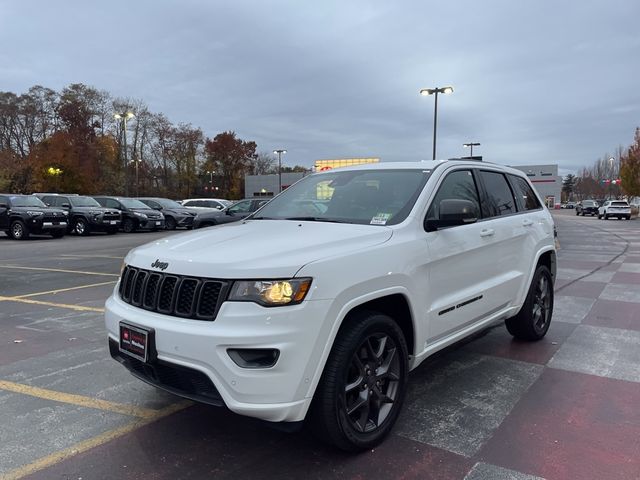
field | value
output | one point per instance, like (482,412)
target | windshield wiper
(317,219)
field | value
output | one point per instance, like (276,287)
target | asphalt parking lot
(491,407)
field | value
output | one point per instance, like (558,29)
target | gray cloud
(535,81)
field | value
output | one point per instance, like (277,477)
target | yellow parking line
(53,292)
(79,400)
(79,308)
(60,270)
(85,445)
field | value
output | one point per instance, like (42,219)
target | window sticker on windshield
(380,219)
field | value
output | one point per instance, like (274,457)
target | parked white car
(615,208)
(203,204)
(299,314)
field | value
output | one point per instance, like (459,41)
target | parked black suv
(175,215)
(587,207)
(22,215)
(135,214)
(85,214)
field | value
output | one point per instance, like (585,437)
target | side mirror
(66,205)
(453,212)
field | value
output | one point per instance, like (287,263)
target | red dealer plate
(135,341)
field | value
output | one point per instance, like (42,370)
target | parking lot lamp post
(210,173)
(279,153)
(471,145)
(124,117)
(611,161)
(435,91)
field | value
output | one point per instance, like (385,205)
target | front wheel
(533,320)
(363,384)
(128,225)
(170,223)
(18,230)
(81,227)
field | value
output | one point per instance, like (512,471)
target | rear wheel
(363,384)
(18,231)
(533,319)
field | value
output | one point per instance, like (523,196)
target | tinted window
(458,185)
(498,199)
(241,207)
(112,203)
(525,192)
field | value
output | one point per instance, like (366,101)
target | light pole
(279,153)
(210,173)
(124,117)
(471,144)
(611,161)
(435,91)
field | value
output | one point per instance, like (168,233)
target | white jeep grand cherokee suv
(319,305)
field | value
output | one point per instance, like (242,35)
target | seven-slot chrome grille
(176,295)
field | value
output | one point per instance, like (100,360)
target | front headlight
(34,213)
(271,293)
(141,215)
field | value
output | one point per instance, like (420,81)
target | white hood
(255,249)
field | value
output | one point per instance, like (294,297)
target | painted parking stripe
(79,308)
(79,400)
(53,292)
(85,445)
(16,267)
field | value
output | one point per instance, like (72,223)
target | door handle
(527,223)
(487,232)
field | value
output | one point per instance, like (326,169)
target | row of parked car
(607,209)
(58,214)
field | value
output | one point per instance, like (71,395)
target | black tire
(628,217)
(18,230)
(533,320)
(577,213)
(170,223)
(606,217)
(367,370)
(128,225)
(599,217)
(58,234)
(81,227)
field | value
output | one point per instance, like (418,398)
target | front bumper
(186,222)
(151,224)
(39,225)
(278,394)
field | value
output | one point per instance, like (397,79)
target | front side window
(458,185)
(241,207)
(525,192)
(165,203)
(497,199)
(365,197)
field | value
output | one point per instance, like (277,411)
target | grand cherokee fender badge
(161,265)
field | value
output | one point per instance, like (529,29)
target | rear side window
(458,185)
(524,191)
(498,199)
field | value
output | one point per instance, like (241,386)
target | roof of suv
(426,165)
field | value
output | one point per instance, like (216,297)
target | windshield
(620,204)
(131,203)
(367,197)
(83,202)
(166,203)
(27,201)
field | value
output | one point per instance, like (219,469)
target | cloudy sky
(536,81)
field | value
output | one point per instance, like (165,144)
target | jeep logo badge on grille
(161,265)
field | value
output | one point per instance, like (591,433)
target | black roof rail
(475,158)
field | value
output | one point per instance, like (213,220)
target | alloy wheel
(372,384)
(541,304)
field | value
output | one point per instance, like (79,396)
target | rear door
(4,212)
